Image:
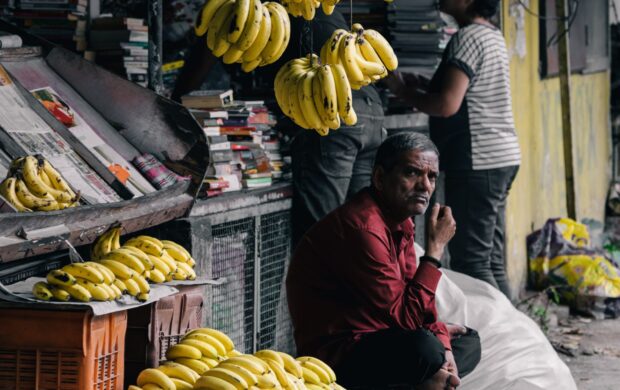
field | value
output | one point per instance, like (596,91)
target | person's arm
(198,63)
(444,103)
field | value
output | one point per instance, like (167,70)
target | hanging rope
(351,13)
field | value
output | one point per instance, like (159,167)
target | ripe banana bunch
(365,55)
(240,372)
(83,282)
(315,96)
(317,374)
(131,270)
(171,260)
(248,32)
(32,184)
(106,243)
(307,8)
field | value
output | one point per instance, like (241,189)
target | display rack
(150,123)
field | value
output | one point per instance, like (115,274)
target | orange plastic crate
(61,350)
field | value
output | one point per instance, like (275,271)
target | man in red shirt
(357,298)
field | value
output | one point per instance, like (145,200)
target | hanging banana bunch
(315,96)
(365,55)
(32,184)
(248,32)
(307,8)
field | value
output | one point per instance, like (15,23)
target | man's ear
(378,174)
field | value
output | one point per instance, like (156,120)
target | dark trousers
(328,170)
(395,357)
(478,202)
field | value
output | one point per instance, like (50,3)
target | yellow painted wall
(539,190)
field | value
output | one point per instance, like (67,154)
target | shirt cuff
(427,275)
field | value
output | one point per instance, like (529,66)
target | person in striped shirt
(471,122)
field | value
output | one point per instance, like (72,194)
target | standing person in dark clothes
(472,124)
(326,170)
(358,300)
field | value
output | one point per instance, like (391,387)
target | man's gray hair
(394,145)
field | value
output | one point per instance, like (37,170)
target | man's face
(408,186)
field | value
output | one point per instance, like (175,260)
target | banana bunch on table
(315,96)
(307,8)
(84,282)
(365,54)
(32,184)
(248,32)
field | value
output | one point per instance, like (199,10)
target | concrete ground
(595,362)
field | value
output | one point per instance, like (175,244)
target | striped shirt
(481,135)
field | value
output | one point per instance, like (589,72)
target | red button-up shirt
(351,275)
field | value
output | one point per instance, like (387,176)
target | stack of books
(243,145)
(62,22)
(418,35)
(120,44)
(169,73)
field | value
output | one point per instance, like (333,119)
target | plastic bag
(560,255)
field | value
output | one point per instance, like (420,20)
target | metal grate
(233,258)
(275,329)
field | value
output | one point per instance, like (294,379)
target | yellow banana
(347,56)
(280,373)
(383,49)
(78,292)
(60,278)
(119,269)
(291,365)
(108,276)
(269,354)
(277,33)
(213,383)
(232,55)
(183,351)
(31,200)
(252,27)
(229,376)
(209,362)
(80,270)
(179,371)
(140,255)
(115,290)
(254,51)
(97,292)
(172,264)
(308,10)
(244,373)
(105,243)
(41,291)
(331,54)
(220,336)
(318,362)
(241,13)
(147,244)
(126,257)
(328,9)
(59,294)
(152,375)
(253,366)
(286,25)
(205,349)
(206,15)
(156,276)
(196,365)
(219,347)
(160,265)
(176,253)
(37,186)
(247,67)
(132,286)
(329,95)
(310,376)
(181,384)
(345,98)
(120,285)
(143,297)
(368,68)
(369,53)
(191,274)
(219,19)
(7,189)
(323,375)
(143,285)
(58,182)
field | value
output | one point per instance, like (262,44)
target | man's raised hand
(441,229)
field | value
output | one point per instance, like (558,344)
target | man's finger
(435,211)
